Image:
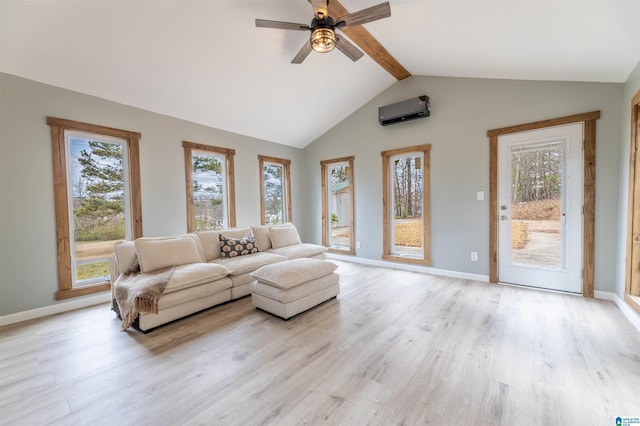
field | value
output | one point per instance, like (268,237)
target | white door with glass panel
(540,191)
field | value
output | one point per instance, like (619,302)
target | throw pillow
(160,252)
(233,247)
(284,235)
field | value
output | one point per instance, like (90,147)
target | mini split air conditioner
(410,109)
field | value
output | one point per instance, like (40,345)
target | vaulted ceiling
(205,61)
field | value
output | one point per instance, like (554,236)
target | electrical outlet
(357,244)
(474,256)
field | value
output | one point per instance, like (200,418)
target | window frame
(326,229)
(229,154)
(58,127)
(286,190)
(386,204)
(632,273)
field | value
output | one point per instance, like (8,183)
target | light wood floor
(395,348)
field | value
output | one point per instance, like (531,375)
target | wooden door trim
(632,276)
(324,178)
(588,119)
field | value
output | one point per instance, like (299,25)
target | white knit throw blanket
(139,293)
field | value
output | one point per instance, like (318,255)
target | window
(97,201)
(337,205)
(275,190)
(405,200)
(210,187)
(632,280)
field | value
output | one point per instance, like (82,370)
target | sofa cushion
(210,241)
(284,235)
(298,251)
(294,272)
(298,292)
(194,274)
(234,247)
(126,257)
(243,264)
(236,232)
(158,253)
(262,236)
(186,295)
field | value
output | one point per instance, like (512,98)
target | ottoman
(287,288)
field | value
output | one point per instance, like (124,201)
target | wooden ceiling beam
(368,43)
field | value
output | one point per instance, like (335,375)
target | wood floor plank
(395,347)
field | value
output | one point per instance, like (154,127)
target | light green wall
(630,88)
(28,269)
(462,110)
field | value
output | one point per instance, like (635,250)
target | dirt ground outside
(341,236)
(86,250)
(544,244)
(536,233)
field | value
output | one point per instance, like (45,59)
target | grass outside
(531,211)
(519,235)
(92,270)
(537,210)
(408,234)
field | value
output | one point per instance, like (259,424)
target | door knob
(504,217)
(503,207)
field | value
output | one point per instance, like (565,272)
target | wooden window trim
(58,127)
(426,205)
(324,170)
(589,195)
(286,165)
(632,266)
(229,154)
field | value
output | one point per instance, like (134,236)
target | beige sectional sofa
(203,276)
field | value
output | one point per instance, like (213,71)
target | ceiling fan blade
(320,8)
(373,13)
(303,53)
(265,23)
(348,49)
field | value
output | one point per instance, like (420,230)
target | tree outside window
(210,187)
(275,190)
(406,204)
(97,201)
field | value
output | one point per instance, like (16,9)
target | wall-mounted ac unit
(410,109)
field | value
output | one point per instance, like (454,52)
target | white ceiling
(206,62)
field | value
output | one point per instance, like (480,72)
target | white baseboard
(409,267)
(628,312)
(97,299)
(55,309)
(604,295)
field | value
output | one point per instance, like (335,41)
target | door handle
(503,207)
(504,217)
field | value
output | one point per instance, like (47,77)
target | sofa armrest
(113,275)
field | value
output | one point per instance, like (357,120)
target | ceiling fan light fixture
(323,40)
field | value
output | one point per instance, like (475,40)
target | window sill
(404,259)
(633,301)
(83,291)
(341,251)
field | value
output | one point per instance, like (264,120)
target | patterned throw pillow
(233,247)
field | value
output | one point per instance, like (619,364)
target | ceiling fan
(323,29)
